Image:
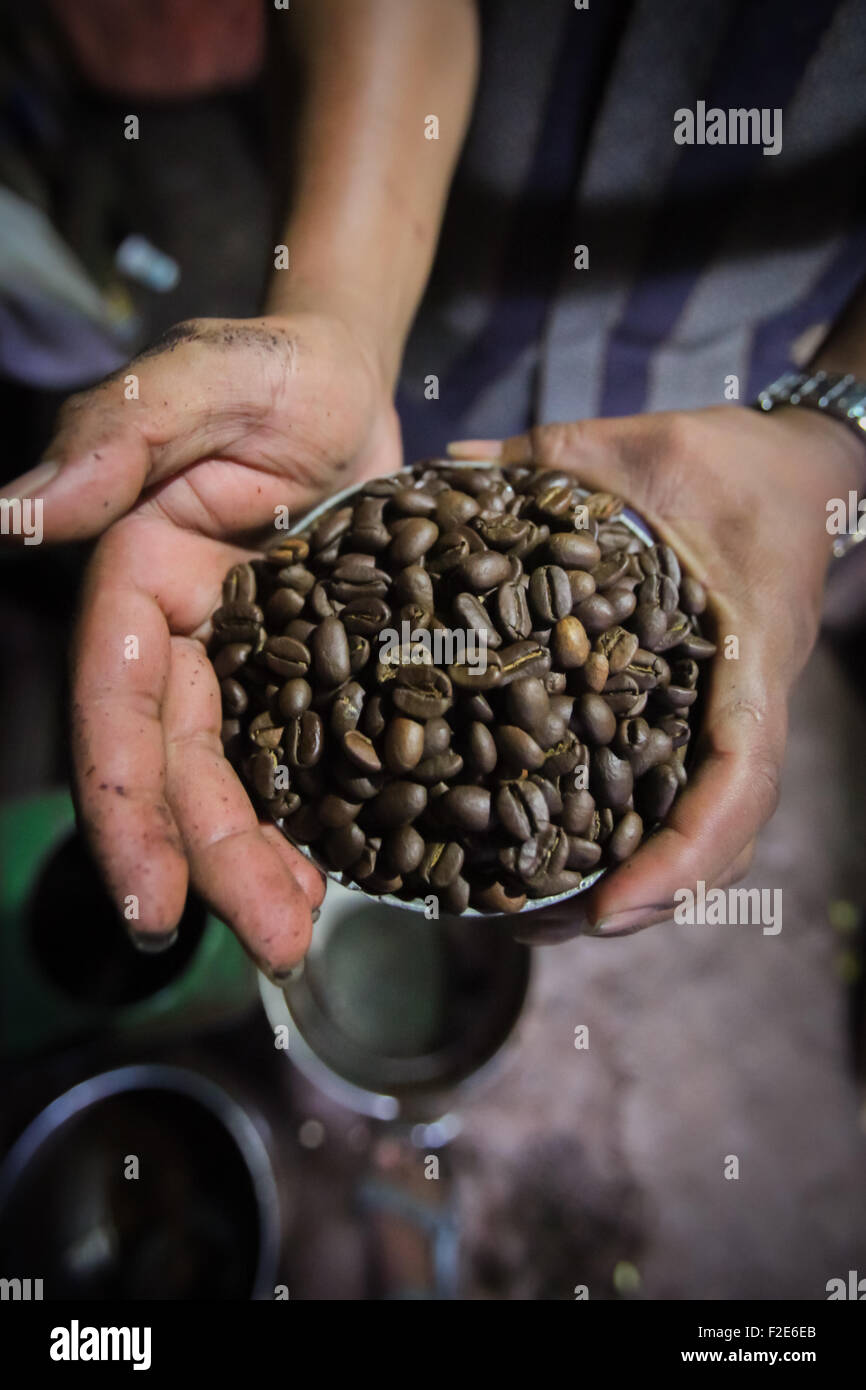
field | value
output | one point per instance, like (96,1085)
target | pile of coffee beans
(468,682)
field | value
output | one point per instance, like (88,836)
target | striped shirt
(705,262)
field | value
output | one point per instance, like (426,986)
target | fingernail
(31,483)
(152,943)
(632,920)
(316,914)
(475,448)
(281,978)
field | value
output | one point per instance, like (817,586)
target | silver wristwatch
(835,393)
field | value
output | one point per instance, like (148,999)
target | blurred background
(413,1119)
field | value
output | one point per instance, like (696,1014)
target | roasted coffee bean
(412,501)
(573,550)
(454,508)
(554,682)
(264,732)
(502,533)
(578,808)
(496,897)
(263,769)
(685,672)
(648,670)
(481,747)
(239,585)
(237,622)
(595,672)
(522,808)
(345,593)
(595,613)
(698,648)
(335,811)
(320,605)
(234,696)
(545,853)
(594,719)
(330,529)
(422,692)
(412,538)
(522,659)
(329,648)
(518,748)
(360,750)
(437,736)
(455,896)
(442,767)
(396,804)
(296,577)
(570,643)
(289,550)
(470,611)
(304,739)
(282,607)
(294,698)
(486,675)
(650,624)
(626,837)
(674,699)
(359,653)
(404,744)
(230,658)
(693,596)
(346,708)
(414,585)
(483,571)
(618,646)
(677,728)
(286,657)
(550,730)
(511,611)
(623,696)
(468,808)
(368,530)
(478,707)
(611,779)
(610,570)
(441,863)
(582,585)
(550,596)
(623,602)
(583,855)
(343,845)
(365,617)
(564,755)
(404,849)
(527,703)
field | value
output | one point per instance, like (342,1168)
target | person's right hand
(228,421)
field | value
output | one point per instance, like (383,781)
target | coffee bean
(234,696)
(441,767)
(289,550)
(594,718)
(577,812)
(611,779)
(237,622)
(437,736)
(581,584)
(527,703)
(544,854)
(455,896)
(441,863)
(360,750)
(404,849)
(412,538)
(618,646)
(626,837)
(287,657)
(343,845)
(693,596)
(522,809)
(404,744)
(239,584)
(230,658)
(511,611)
(454,508)
(574,550)
(483,571)
(595,613)
(396,804)
(335,811)
(368,530)
(550,596)
(698,648)
(522,659)
(304,740)
(623,602)
(422,692)
(481,748)
(650,625)
(468,808)
(470,611)
(296,577)
(329,649)
(496,897)
(570,643)
(294,698)
(518,748)
(483,676)
(365,617)
(414,585)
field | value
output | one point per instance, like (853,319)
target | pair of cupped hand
(229,420)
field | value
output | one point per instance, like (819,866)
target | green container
(67,971)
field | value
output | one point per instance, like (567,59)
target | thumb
(93,470)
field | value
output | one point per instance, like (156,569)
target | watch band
(839,394)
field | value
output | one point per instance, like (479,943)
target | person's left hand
(742,498)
